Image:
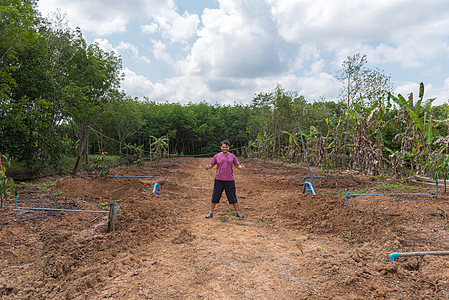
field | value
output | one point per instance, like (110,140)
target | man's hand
(240,166)
(209,166)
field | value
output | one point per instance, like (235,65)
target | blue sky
(227,51)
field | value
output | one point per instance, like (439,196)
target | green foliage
(159,147)
(440,163)
(100,165)
(137,153)
(361,83)
(6,184)
(48,76)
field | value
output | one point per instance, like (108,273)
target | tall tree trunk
(84,141)
(344,146)
(87,153)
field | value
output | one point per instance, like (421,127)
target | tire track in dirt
(220,258)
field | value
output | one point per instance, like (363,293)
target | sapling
(6,184)
(100,165)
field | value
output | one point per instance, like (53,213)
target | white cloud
(175,27)
(105,17)
(146,59)
(176,89)
(125,47)
(407,32)
(234,42)
(122,49)
(151,28)
(105,45)
(138,85)
(160,51)
(441,94)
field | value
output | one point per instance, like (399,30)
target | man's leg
(212,207)
(236,207)
(232,198)
(216,195)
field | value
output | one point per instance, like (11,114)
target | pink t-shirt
(224,165)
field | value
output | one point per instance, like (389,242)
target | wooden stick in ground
(110,218)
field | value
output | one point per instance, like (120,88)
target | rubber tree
(94,76)
(28,110)
(121,119)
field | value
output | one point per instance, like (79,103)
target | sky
(227,51)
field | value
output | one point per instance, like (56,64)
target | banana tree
(265,143)
(417,138)
(160,146)
(440,163)
(137,152)
(335,133)
(293,146)
(368,123)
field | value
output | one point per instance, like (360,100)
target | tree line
(60,96)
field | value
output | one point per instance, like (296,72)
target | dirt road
(221,258)
(288,246)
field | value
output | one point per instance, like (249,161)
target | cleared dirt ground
(290,245)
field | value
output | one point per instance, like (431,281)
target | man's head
(225,146)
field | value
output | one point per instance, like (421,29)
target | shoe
(209,215)
(239,215)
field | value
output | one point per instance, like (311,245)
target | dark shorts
(228,186)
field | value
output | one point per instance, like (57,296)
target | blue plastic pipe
(58,209)
(392,256)
(398,194)
(68,210)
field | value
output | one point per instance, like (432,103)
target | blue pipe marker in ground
(309,187)
(156,188)
(113,215)
(392,256)
(15,200)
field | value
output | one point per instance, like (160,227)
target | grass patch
(229,212)
(39,186)
(223,219)
(398,186)
(57,193)
(381,189)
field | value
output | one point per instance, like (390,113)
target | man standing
(224,178)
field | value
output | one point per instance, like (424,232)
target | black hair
(226,142)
